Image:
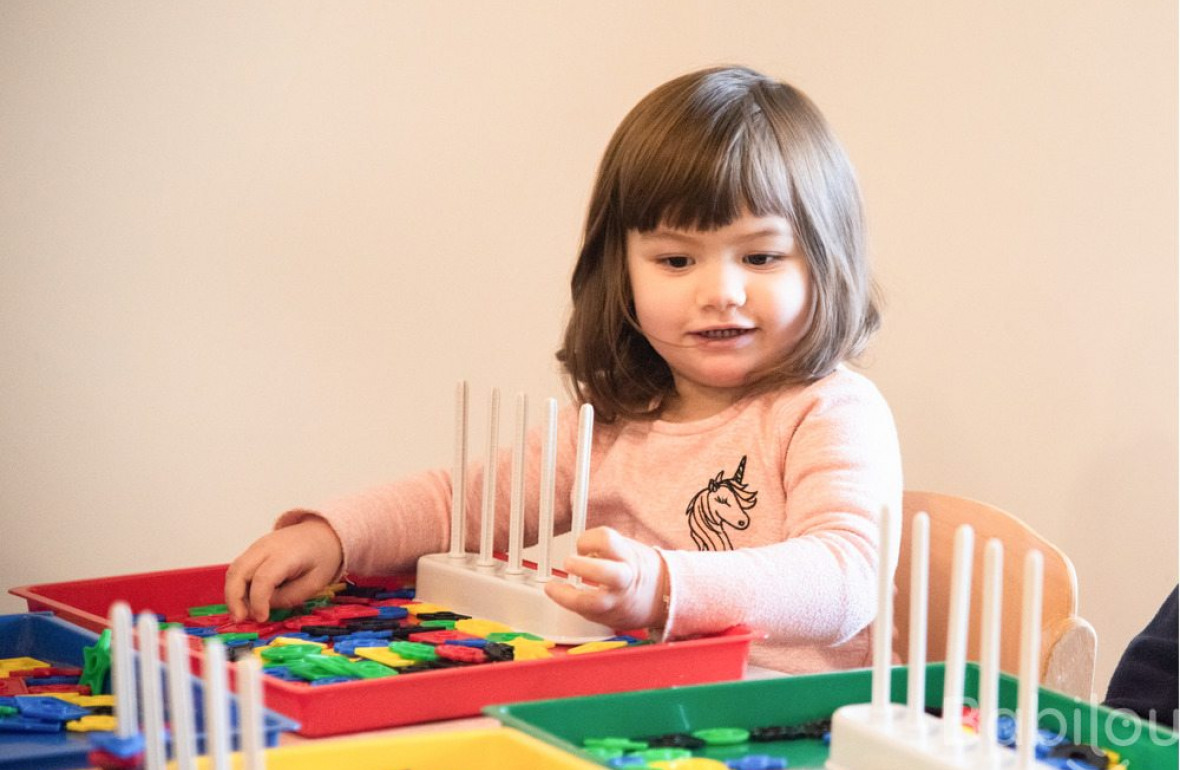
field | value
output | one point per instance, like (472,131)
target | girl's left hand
(630,580)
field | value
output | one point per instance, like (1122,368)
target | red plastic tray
(400,700)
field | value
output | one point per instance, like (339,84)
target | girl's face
(718,305)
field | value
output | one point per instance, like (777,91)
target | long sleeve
(386,528)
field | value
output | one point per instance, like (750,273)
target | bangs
(703,171)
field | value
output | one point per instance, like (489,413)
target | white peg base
(515,600)
(862,742)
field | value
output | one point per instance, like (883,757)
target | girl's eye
(678,263)
(762,260)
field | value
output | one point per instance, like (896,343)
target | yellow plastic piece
(92,723)
(383,655)
(329,591)
(689,763)
(423,608)
(499,748)
(1113,756)
(526,649)
(481,628)
(582,649)
(19,664)
(85,701)
(279,641)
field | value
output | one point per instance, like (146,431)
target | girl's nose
(723,286)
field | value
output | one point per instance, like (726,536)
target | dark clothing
(1145,680)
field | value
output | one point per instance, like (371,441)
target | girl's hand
(283,569)
(631,581)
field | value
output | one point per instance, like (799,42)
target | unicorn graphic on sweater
(723,502)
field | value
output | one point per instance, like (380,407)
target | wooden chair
(1068,642)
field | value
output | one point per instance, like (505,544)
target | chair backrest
(1060,625)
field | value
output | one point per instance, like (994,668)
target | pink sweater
(766,513)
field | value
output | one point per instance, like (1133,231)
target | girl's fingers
(589,603)
(612,575)
(271,576)
(237,585)
(602,542)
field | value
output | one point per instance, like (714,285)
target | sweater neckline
(703,425)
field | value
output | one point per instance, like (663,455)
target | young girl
(738,468)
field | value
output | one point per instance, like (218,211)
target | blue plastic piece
(372,633)
(627,760)
(1006,730)
(624,638)
(42,681)
(50,709)
(112,744)
(400,593)
(757,762)
(27,725)
(332,680)
(392,613)
(235,643)
(282,672)
(346,645)
(481,643)
(200,631)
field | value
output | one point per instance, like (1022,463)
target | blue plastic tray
(42,636)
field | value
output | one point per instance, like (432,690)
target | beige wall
(246,250)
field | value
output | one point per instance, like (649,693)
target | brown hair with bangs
(694,154)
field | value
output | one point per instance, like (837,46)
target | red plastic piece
(351,600)
(461,653)
(250,627)
(392,603)
(81,689)
(344,611)
(108,761)
(441,636)
(13,685)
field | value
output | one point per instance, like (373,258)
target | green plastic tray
(798,699)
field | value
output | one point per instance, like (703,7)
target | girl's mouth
(722,334)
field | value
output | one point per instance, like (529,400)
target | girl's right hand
(283,569)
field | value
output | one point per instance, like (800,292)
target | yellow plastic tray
(497,748)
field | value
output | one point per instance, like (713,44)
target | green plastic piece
(438,624)
(207,610)
(370,669)
(236,637)
(613,742)
(603,753)
(287,653)
(280,613)
(723,736)
(170,624)
(96,664)
(336,665)
(312,604)
(504,637)
(7,711)
(414,650)
(663,754)
(309,671)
